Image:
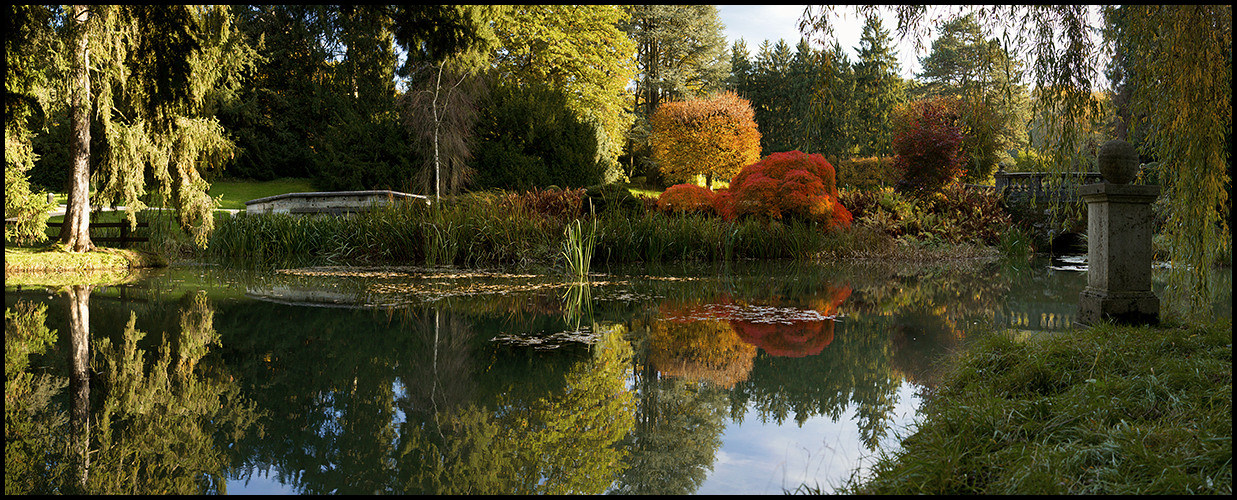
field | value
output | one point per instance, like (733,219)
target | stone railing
(1035,181)
(329,202)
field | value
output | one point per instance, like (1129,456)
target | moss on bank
(1101,410)
(53,259)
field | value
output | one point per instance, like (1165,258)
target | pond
(736,378)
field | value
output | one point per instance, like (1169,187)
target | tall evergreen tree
(680,53)
(985,78)
(878,90)
(833,104)
(740,80)
(772,100)
(801,79)
(277,125)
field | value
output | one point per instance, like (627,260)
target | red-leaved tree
(928,147)
(791,184)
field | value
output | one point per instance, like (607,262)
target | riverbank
(1100,410)
(53,259)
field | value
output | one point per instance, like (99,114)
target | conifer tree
(878,90)
(161,74)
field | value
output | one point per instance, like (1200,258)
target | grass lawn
(648,193)
(234,194)
(1109,409)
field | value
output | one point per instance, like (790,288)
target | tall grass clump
(578,249)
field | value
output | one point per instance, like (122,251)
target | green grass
(648,193)
(1104,410)
(234,194)
(48,263)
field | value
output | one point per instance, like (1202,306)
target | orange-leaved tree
(686,198)
(789,184)
(713,137)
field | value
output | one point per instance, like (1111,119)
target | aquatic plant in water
(578,249)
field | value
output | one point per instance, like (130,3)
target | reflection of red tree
(795,340)
(798,338)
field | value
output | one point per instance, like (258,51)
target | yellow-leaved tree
(713,137)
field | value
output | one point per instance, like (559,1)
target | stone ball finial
(1118,161)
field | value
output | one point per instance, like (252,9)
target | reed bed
(502,229)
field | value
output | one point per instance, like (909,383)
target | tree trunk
(79,378)
(437,126)
(75,232)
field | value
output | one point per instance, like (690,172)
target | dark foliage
(527,137)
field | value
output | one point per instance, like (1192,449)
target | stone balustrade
(330,202)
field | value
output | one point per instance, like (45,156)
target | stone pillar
(1118,243)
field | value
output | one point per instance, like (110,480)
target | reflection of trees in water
(156,417)
(35,429)
(926,313)
(325,378)
(699,351)
(854,371)
(677,434)
(559,443)
(417,402)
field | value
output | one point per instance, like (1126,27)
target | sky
(756,23)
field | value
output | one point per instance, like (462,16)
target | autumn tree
(986,79)
(928,146)
(680,54)
(1184,73)
(710,137)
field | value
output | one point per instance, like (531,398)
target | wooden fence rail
(126,234)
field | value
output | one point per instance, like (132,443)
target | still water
(740,378)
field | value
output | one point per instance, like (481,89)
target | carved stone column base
(1127,308)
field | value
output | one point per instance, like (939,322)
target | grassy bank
(1102,410)
(51,258)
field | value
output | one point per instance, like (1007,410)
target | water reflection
(199,380)
(144,417)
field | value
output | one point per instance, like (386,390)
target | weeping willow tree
(150,79)
(1181,66)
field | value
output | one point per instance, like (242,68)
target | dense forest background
(382,97)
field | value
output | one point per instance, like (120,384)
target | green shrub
(528,137)
(866,173)
(955,215)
